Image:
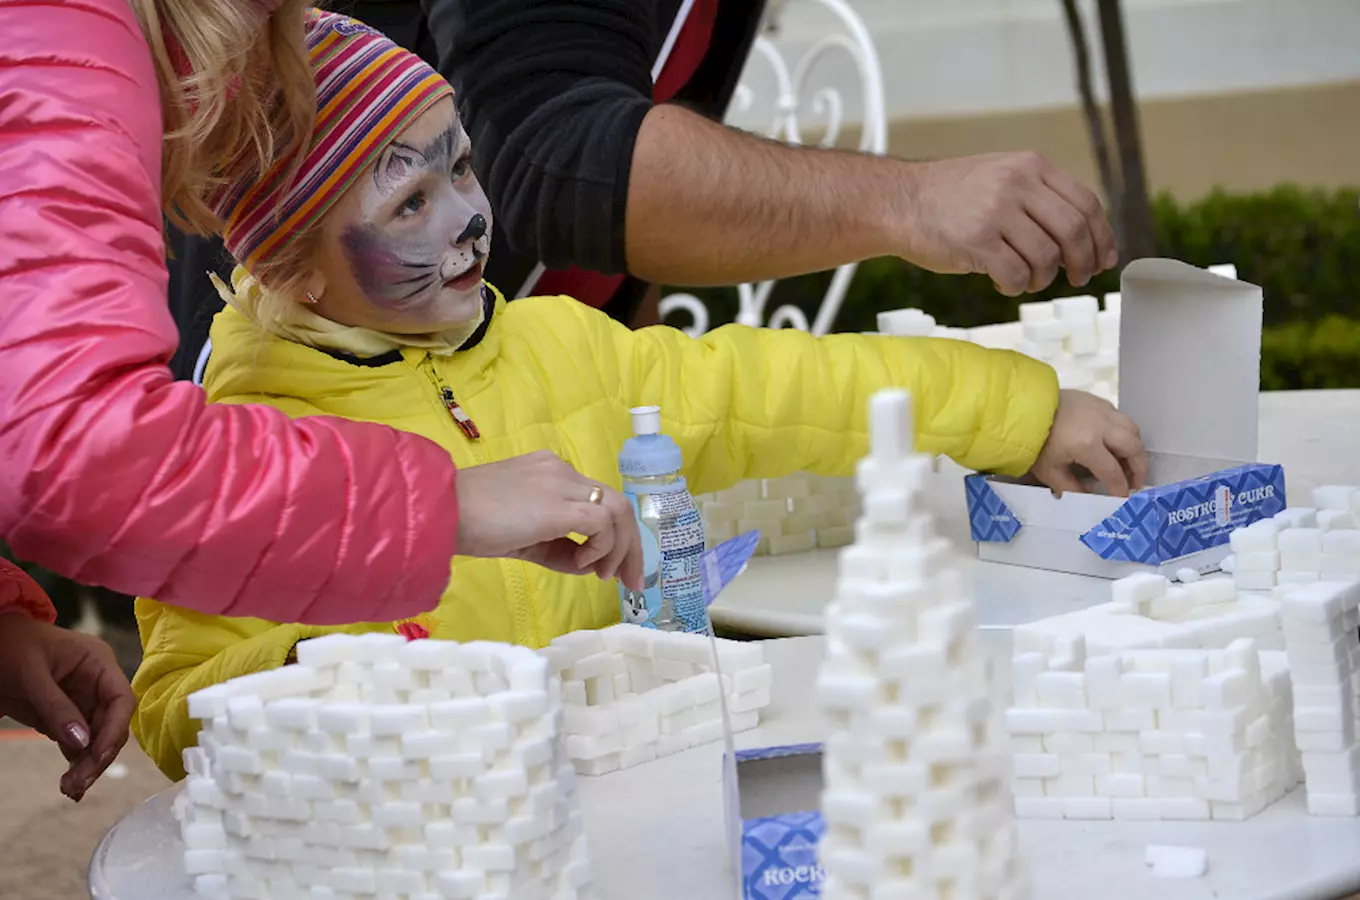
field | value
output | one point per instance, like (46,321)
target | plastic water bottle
(672,598)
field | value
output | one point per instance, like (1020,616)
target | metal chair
(796,95)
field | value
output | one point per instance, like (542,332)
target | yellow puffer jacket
(553,374)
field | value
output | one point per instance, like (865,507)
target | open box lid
(1190,360)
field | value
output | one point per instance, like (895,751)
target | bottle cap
(646,419)
(648,452)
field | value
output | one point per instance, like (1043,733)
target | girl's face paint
(406,244)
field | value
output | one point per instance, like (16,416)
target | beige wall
(1240,141)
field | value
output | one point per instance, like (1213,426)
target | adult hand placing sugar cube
(1089,432)
(526,506)
(1014,217)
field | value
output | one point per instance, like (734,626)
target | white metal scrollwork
(827,105)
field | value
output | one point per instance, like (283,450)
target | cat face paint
(422,228)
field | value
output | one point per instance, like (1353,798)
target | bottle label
(672,532)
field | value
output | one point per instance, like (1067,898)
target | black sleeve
(193,299)
(552,93)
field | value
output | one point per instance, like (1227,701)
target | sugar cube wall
(381,767)
(632,694)
(1161,704)
(794,514)
(1073,334)
(914,767)
(1300,545)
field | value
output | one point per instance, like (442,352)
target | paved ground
(45,839)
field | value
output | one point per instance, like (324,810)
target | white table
(657,831)
(1315,435)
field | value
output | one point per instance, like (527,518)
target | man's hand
(69,687)
(524,508)
(1089,432)
(1011,216)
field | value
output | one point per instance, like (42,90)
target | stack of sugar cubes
(378,767)
(1157,705)
(1300,545)
(1148,612)
(1072,334)
(793,514)
(633,694)
(914,795)
(1322,638)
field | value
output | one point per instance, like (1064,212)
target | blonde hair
(284,275)
(247,101)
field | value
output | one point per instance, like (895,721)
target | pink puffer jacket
(111,473)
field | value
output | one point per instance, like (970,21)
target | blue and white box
(775,821)
(1189,375)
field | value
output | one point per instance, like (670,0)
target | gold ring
(596,495)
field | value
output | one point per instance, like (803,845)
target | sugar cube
(1333,804)
(1039,807)
(1087,808)
(1061,690)
(1146,690)
(1258,561)
(1176,862)
(1139,589)
(1333,496)
(1259,537)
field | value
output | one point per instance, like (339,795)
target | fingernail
(76,735)
(1111,259)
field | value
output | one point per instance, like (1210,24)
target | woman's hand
(524,508)
(1089,432)
(69,687)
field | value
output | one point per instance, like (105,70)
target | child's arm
(186,652)
(748,403)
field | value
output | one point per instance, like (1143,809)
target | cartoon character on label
(639,606)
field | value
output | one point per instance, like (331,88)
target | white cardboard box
(1189,364)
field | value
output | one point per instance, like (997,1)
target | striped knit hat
(368,90)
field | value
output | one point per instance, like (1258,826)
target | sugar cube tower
(914,798)
(1322,640)
(1300,545)
(632,694)
(377,767)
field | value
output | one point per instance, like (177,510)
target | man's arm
(582,169)
(708,204)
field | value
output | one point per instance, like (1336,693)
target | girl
(360,295)
(113,114)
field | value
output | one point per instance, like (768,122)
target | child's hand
(1089,432)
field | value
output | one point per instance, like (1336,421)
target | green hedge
(1302,246)
(1311,355)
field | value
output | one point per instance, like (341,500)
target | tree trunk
(1095,122)
(1138,231)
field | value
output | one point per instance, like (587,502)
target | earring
(311,298)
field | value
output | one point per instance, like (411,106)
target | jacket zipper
(514,569)
(456,411)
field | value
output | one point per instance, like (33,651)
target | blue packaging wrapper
(1157,525)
